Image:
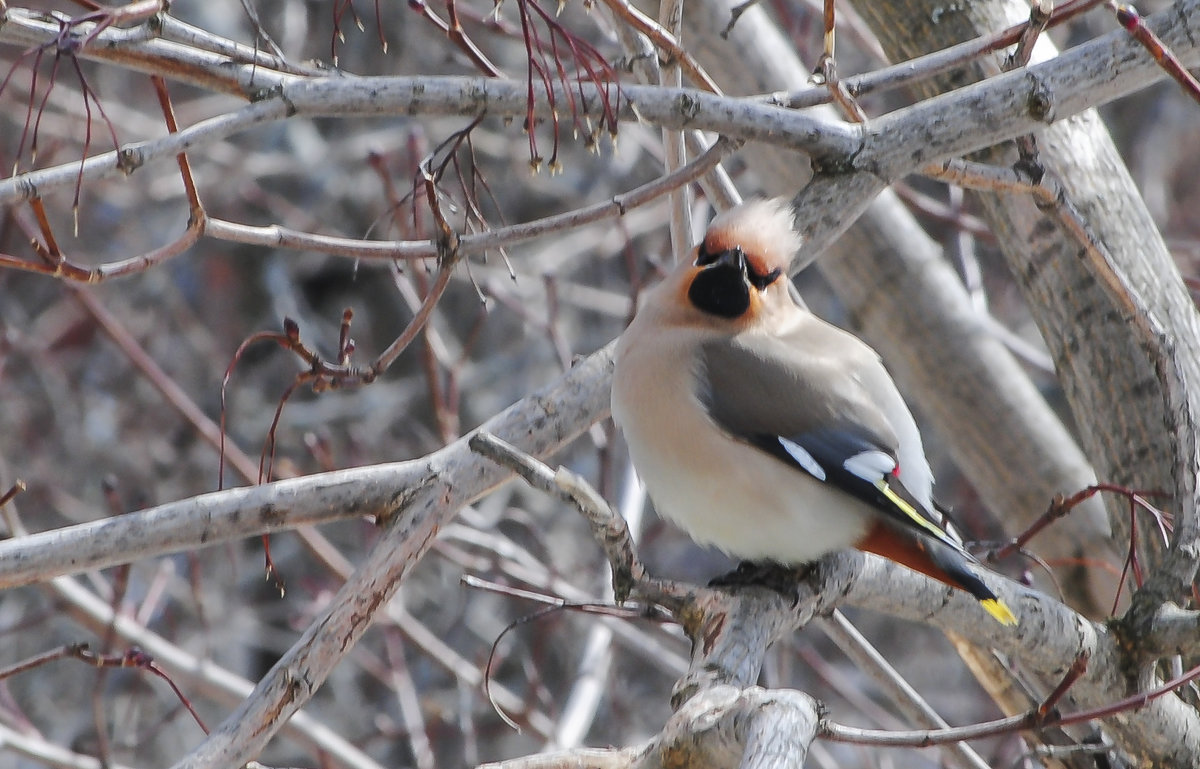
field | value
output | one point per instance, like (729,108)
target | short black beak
(731,258)
(734,260)
(722,287)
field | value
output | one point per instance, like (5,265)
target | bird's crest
(763,229)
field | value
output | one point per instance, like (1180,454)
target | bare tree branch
(540,424)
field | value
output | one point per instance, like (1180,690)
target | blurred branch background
(111,394)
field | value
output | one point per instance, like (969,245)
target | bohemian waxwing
(767,432)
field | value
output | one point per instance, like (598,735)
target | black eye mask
(721,287)
(704,258)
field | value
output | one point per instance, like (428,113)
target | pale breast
(720,490)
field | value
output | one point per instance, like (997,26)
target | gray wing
(806,406)
(807,401)
(774,386)
(804,402)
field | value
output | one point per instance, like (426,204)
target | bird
(767,432)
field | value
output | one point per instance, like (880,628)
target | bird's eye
(762,281)
(736,258)
(704,257)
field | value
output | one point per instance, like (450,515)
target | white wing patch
(803,458)
(871,466)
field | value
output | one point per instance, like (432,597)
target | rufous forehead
(752,246)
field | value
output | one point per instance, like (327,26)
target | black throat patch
(721,289)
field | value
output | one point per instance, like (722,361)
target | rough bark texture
(1122,332)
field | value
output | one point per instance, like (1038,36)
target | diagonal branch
(452,477)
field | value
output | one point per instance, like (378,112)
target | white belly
(722,491)
(757,509)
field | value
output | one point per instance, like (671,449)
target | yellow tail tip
(999,610)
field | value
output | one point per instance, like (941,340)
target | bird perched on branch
(767,432)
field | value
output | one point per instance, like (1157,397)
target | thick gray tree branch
(723,726)
(1119,322)
(210,519)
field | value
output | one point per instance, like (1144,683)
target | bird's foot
(784,580)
